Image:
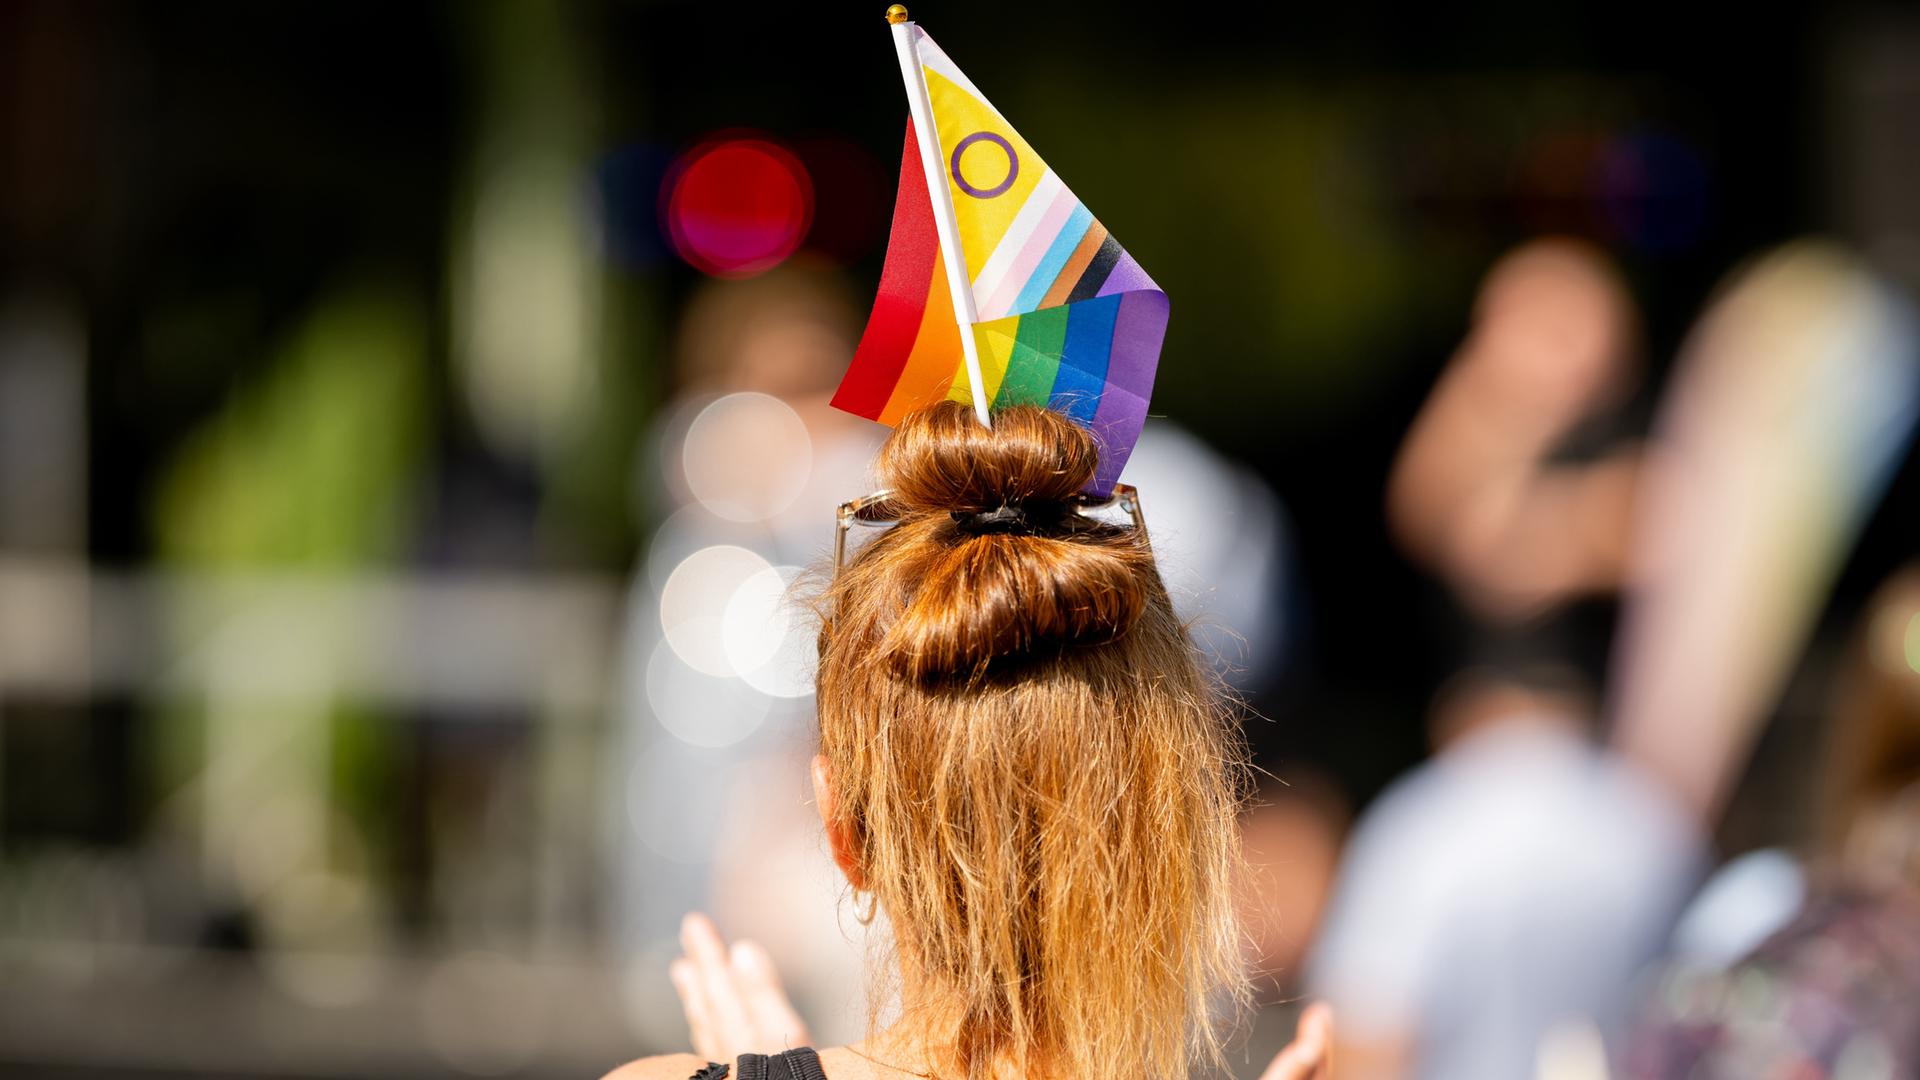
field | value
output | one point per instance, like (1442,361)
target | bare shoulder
(661,1067)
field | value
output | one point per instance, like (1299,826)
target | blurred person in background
(1503,486)
(1517,880)
(717,693)
(1503,893)
(1792,404)
(1799,401)
(1832,993)
(1794,397)
(1049,837)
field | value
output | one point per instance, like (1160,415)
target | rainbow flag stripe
(1066,318)
(911,347)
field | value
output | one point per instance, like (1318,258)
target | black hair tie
(1010,518)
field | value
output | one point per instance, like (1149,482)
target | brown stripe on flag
(1076,265)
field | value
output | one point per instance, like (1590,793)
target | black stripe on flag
(1097,271)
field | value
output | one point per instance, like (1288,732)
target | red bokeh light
(737,207)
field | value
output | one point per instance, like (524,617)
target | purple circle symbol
(1013,165)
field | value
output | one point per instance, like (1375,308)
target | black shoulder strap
(800,1064)
(804,1064)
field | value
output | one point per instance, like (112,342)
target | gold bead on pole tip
(896,14)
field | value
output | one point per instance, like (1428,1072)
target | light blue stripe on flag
(1054,261)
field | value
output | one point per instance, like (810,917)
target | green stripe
(1036,358)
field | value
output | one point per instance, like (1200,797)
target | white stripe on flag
(1015,238)
(1000,303)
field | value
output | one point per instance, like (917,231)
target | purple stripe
(1126,277)
(1139,330)
(1138,333)
(1117,429)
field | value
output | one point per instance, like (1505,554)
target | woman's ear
(839,835)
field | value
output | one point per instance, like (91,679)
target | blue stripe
(1082,377)
(1054,261)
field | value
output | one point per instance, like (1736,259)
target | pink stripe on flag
(1016,279)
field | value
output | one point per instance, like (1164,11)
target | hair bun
(968,596)
(943,458)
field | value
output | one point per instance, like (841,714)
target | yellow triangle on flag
(991,170)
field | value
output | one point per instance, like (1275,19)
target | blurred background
(412,417)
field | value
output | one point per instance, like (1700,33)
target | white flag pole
(941,196)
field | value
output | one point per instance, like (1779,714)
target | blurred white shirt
(1512,885)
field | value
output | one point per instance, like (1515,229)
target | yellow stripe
(994,341)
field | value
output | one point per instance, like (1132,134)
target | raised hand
(733,998)
(1310,1055)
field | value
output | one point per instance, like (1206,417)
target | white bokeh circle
(695,599)
(701,709)
(746,457)
(767,636)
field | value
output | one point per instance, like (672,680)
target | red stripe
(905,281)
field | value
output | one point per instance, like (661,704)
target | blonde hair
(1039,777)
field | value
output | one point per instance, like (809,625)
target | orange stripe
(1076,265)
(935,356)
